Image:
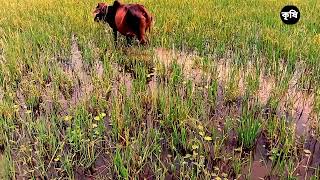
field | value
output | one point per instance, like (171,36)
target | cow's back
(122,20)
(132,19)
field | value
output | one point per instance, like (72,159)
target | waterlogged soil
(299,112)
(296,104)
(311,159)
(301,101)
(58,100)
(260,166)
(84,85)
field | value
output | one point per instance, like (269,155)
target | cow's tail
(148,17)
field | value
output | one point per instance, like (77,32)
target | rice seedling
(248,130)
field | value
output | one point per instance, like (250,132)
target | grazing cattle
(131,20)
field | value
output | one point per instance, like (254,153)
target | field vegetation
(224,90)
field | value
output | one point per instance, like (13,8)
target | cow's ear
(97,8)
(104,8)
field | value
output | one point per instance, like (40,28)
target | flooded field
(208,98)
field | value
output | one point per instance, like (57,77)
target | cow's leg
(115,37)
(142,30)
(129,40)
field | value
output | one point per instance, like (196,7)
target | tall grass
(126,129)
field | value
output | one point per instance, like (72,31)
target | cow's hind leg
(138,24)
(142,30)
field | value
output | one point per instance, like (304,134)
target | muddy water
(310,161)
(152,85)
(22,103)
(261,165)
(302,111)
(296,104)
(301,102)
(265,88)
(259,170)
(313,144)
(184,59)
(75,71)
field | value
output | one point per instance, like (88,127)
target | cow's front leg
(129,40)
(115,37)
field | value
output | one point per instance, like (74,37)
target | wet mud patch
(121,78)
(134,65)
(310,160)
(83,85)
(100,169)
(260,166)
(299,107)
(303,107)
(147,173)
(22,103)
(103,166)
(99,70)
(76,70)
(267,83)
(132,58)
(54,101)
(187,61)
(168,161)
(75,84)
(298,104)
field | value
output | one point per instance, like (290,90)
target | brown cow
(131,20)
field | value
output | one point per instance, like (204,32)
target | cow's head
(100,12)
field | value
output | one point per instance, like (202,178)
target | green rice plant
(252,80)
(213,92)
(282,144)
(176,76)
(316,175)
(121,169)
(7,163)
(248,130)
(116,119)
(179,138)
(141,72)
(217,147)
(237,164)
(67,165)
(290,167)
(232,90)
